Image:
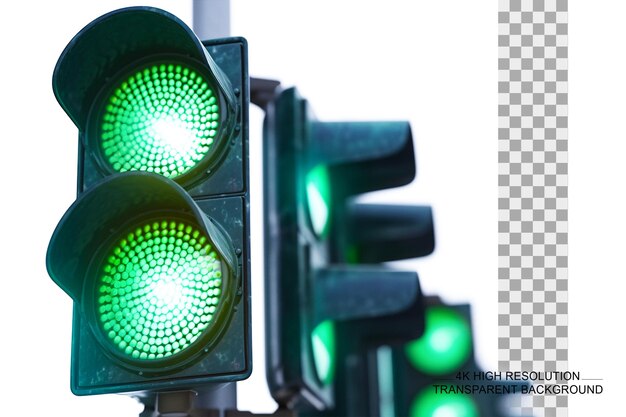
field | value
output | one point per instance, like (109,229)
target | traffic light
(326,296)
(443,357)
(147,95)
(155,251)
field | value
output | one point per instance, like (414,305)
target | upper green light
(318,198)
(445,345)
(163,119)
(159,289)
(429,404)
(323,341)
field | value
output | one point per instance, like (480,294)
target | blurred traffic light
(325,299)
(436,373)
(155,251)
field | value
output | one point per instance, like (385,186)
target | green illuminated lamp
(162,118)
(431,404)
(318,198)
(324,356)
(158,287)
(158,290)
(157,104)
(446,344)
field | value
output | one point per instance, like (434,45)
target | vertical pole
(211,18)
(219,397)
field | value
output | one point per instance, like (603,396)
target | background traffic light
(155,251)
(325,300)
(444,356)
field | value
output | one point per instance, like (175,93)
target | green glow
(318,198)
(159,289)
(445,345)
(429,404)
(163,119)
(323,341)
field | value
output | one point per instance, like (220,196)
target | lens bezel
(228,113)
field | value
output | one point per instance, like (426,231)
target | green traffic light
(158,290)
(162,118)
(323,342)
(154,252)
(318,198)
(431,404)
(445,345)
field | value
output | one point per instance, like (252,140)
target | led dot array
(159,290)
(162,119)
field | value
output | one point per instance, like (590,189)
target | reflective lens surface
(323,341)
(158,290)
(318,198)
(163,118)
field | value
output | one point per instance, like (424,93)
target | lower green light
(431,404)
(323,341)
(445,345)
(159,289)
(163,118)
(318,198)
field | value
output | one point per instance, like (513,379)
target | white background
(433,63)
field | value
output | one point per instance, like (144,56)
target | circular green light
(445,345)
(430,404)
(163,118)
(159,289)
(323,341)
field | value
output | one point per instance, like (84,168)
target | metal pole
(218,397)
(211,18)
(214,400)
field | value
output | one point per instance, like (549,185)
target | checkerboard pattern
(532,186)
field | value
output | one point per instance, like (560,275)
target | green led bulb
(445,345)
(158,290)
(163,118)
(323,341)
(431,404)
(318,198)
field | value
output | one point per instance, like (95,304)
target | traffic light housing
(443,356)
(147,95)
(323,288)
(155,251)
